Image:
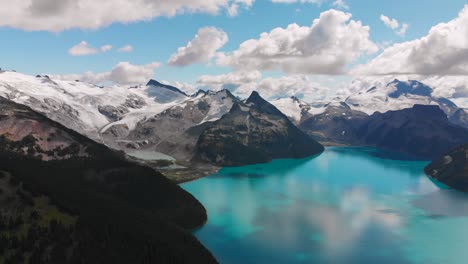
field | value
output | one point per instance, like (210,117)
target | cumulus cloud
(395,25)
(59,15)
(328,46)
(122,73)
(106,48)
(126,48)
(201,49)
(233,78)
(390,22)
(337,3)
(188,88)
(242,83)
(298,1)
(82,49)
(443,51)
(341,4)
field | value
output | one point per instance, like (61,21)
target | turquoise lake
(348,205)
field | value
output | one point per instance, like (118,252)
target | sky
(313,49)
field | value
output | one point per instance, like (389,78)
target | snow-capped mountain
(83,107)
(91,109)
(295,109)
(252,132)
(397,95)
(172,131)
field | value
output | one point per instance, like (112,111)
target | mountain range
(161,118)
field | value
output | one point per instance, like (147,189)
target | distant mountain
(253,132)
(78,201)
(163,93)
(337,124)
(398,95)
(423,131)
(295,109)
(451,168)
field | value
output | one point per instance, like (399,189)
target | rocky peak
(155,83)
(261,104)
(409,87)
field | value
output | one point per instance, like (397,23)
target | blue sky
(156,39)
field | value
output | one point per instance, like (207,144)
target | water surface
(348,205)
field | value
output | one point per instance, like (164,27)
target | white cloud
(242,83)
(201,49)
(106,48)
(122,73)
(82,49)
(188,88)
(126,48)
(341,4)
(443,51)
(404,27)
(337,3)
(235,78)
(399,29)
(328,46)
(59,15)
(389,22)
(298,1)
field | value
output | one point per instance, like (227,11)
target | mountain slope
(88,108)
(423,131)
(451,168)
(337,124)
(105,209)
(173,131)
(253,132)
(398,95)
(295,109)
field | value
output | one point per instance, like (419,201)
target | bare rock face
(253,132)
(451,168)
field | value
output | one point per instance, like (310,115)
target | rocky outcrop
(253,132)
(451,168)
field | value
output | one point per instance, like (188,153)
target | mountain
(293,108)
(451,168)
(253,132)
(398,95)
(173,131)
(163,93)
(423,131)
(67,199)
(337,124)
(88,108)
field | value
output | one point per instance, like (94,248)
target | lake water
(348,205)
